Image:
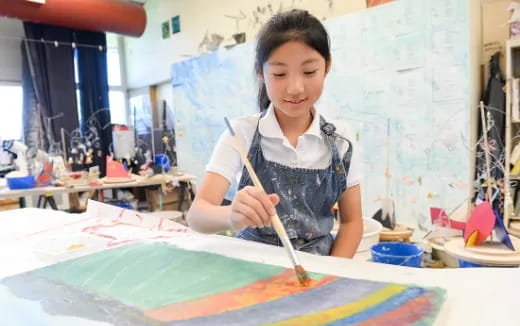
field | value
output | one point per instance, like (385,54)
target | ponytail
(263,99)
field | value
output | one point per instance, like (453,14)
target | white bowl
(371,231)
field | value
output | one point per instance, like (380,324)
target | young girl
(304,163)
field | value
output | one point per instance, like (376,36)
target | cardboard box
(170,200)
(8,204)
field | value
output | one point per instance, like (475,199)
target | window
(117,106)
(114,67)
(117,92)
(12,102)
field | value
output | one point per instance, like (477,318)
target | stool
(47,199)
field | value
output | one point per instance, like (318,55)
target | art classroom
(261,162)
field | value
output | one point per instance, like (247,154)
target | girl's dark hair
(293,25)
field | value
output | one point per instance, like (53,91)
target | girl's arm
(251,207)
(205,214)
(351,223)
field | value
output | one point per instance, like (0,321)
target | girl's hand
(252,207)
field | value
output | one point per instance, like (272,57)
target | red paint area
(274,287)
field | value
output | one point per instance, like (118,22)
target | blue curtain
(93,89)
(49,83)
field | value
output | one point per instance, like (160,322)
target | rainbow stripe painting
(160,284)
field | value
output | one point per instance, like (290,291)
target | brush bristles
(302,276)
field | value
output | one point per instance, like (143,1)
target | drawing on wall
(239,37)
(176,24)
(369,83)
(165,28)
(160,284)
(259,15)
(237,19)
(210,42)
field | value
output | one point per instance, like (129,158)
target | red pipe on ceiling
(115,16)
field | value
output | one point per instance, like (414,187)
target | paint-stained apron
(306,196)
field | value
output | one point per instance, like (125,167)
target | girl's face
(294,76)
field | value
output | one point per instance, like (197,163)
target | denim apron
(306,196)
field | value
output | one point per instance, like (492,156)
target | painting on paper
(160,284)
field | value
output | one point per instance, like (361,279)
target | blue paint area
(384,307)
(328,296)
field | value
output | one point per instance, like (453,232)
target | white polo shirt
(311,152)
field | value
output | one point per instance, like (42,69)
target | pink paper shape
(482,219)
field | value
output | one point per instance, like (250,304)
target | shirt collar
(268,125)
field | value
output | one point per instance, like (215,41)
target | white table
(53,191)
(138,182)
(475,296)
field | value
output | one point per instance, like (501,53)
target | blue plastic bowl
(123,205)
(467,264)
(397,253)
(21,182)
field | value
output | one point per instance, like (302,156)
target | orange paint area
(75,246)
(262,291)
(472,239)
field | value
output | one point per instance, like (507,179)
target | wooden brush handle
(275,219)
(249,168)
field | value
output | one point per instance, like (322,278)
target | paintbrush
(302,275)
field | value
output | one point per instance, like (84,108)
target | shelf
(514,228)
(513,43)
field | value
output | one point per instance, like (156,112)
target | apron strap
(330,131)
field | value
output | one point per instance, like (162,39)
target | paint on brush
(302,276)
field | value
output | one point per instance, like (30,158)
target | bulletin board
(406,62)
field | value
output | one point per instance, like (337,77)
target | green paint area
(152,275)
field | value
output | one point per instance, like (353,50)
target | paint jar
(397,253)
(163,161)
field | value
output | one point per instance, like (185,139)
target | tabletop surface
(475,296)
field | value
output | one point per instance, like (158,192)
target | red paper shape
(439,216)
(482,220)
(116,169)
(45,177)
